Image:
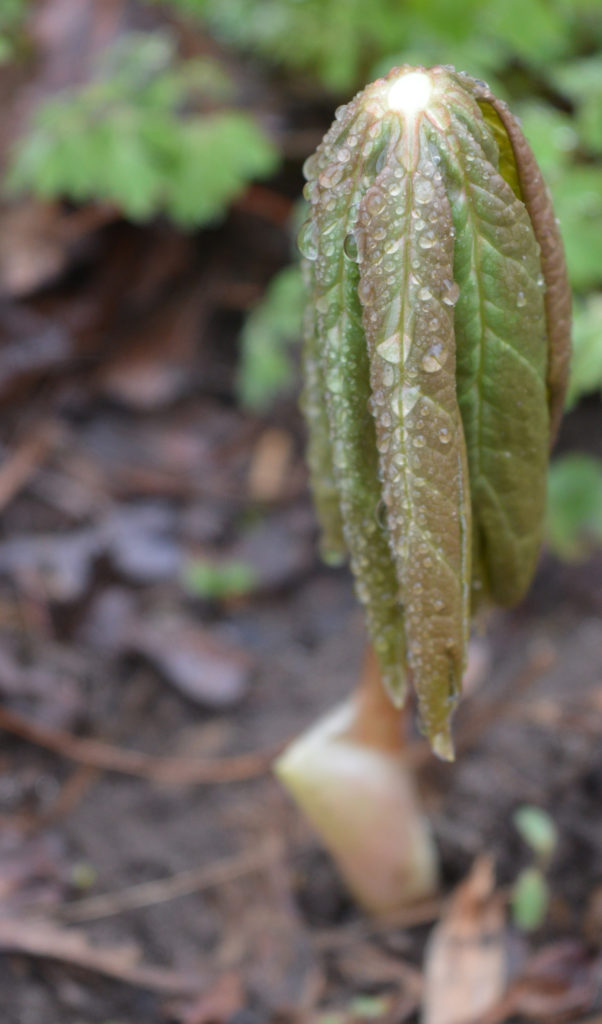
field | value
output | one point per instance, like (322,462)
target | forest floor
(152,870)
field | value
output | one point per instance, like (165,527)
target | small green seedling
(530,893)
(218,582)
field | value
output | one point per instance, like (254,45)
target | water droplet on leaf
(390,349)
(350,247)
(307,240)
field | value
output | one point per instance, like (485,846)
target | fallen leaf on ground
(465,961)
(201,666)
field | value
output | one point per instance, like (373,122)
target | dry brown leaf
(465,962)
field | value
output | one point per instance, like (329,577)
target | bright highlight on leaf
(436,354)
(410,93)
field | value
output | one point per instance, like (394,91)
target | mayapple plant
(437,341)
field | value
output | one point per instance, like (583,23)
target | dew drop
(307,241)
(388,375)
(343,155)
(419,441)
(521,299)
(366,292)
(451,294)
(425,294)
(390,349)
(432,361)
(310,167)
(334,381)
(330,176)
(423,190)
(375,203)
(444,435)
(350,247)
(427,240)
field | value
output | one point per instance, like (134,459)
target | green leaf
(530,900)
(574,516)
(133,139)
(502,360)
(219,582)
(266,368)
(419,431)
(335,349)
(538,830)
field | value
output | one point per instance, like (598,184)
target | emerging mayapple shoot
(436,354)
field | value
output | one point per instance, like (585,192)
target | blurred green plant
(530,892)
(586,367)
(574,517)
(271,330)
(218,582)
(151,134)
(12,21)
(354,37)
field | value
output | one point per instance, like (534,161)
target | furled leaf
(438,336)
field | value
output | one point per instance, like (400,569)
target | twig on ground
(104,756)
(146,894)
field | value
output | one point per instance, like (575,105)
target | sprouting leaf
(219,582)
(530,899)
(437,341)
(538,830)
